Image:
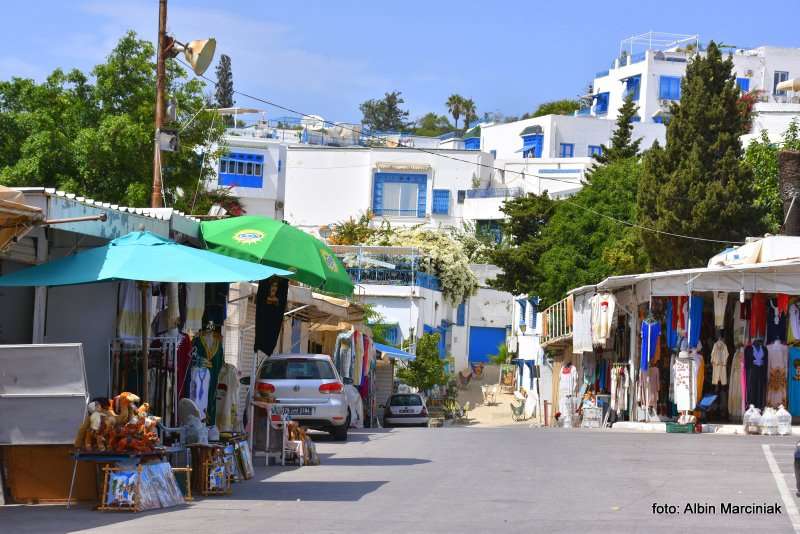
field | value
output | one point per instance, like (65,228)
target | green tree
(622,144)
(582,247)
(470,112)
(698,184)
(761,157)
(557,107)
(95,139)
(385,114)
(518,255)
(427,369)
(223,96)
(455,105)
(433,125)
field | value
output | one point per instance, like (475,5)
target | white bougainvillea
(440,255)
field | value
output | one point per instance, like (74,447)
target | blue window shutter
(595,150)
(743,84)
(461,314)
(601,106)
(567,150)
(441,201)
(632,85)
(669,88)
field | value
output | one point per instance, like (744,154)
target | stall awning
(394,352)
(16,217)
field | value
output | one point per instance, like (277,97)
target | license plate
(405,410)
(298,410)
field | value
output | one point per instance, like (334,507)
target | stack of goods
(118,426)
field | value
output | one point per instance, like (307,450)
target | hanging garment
(683,315)
(700,373)
(776,323)
(603,317)
(719,363)
(653,387)
(568,381)
(794,380)
(739,325)
(755,363)
(589,368)
(195,304)
(650,334)
(695,320)
(794,324)
(358,357)
(720,303)
(582,325)
(778,355)
(735,399)
(670,331)
(783,302)
(672,359)
(758,316)
(129,315)
(685,386)
(207,352)
(200,378)
(270,308)
(227,398)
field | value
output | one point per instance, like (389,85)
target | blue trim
(484,342)
(399,178)
(241,170)
(441,202)
(743,84)
(394,352)
(558,171)
(632,86)
(472,143)
(567,150)
(595,150)
(532,145)
(461,314)
(669,87)
(601,103)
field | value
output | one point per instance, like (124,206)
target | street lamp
(199,55)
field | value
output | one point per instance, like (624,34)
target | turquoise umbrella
(145,257)
(141,256)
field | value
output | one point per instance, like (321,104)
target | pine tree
(698,185)
(224,92)
(622,145)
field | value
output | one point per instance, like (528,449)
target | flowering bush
(440,256)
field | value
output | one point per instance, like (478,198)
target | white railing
(557,323)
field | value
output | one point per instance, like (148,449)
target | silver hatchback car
(308,389)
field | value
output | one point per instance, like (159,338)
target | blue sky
(326,57)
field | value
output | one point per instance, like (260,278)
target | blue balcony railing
(636,58)
(393,277)
(495,192)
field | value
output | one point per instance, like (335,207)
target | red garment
(184,355)
(675,313)
(682,317)
(758,316)
(783,303)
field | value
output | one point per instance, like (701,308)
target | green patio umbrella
(280,245)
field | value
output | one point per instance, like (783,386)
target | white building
(652,65)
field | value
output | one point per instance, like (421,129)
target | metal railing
(495,192)
(556,323)
(393,277)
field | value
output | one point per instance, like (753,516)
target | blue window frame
(472,143)
(493,153)
(401,194)
(567,150)
(441,201)
(743,84)
(532,145)
(601,104)
(780,76)
(461,314)
(595,150)
(241,170)
(632,85)
(669,87)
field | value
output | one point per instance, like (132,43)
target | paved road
(512,479)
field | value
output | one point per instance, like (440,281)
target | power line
(484,165)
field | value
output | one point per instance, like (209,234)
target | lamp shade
(200,53)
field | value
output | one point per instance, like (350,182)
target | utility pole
(156,199)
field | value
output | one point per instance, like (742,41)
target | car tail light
(424,412)
(332,387)
(264,388)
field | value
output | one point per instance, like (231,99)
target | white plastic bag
(769,422)
(751,420)
(784,421)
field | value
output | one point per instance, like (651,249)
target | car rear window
(406,400)
(298,369)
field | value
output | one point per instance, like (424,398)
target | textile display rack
(162,383)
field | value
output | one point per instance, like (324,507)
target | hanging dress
(776,377)
(735,399)
(755,362)
(794,380)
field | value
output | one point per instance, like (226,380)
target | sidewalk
(708,428)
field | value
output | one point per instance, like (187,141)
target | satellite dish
(200,53)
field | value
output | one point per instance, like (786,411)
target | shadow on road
(354,435)
(329,459)
(309,490)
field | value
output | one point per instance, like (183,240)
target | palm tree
(455,104)
(470,112)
